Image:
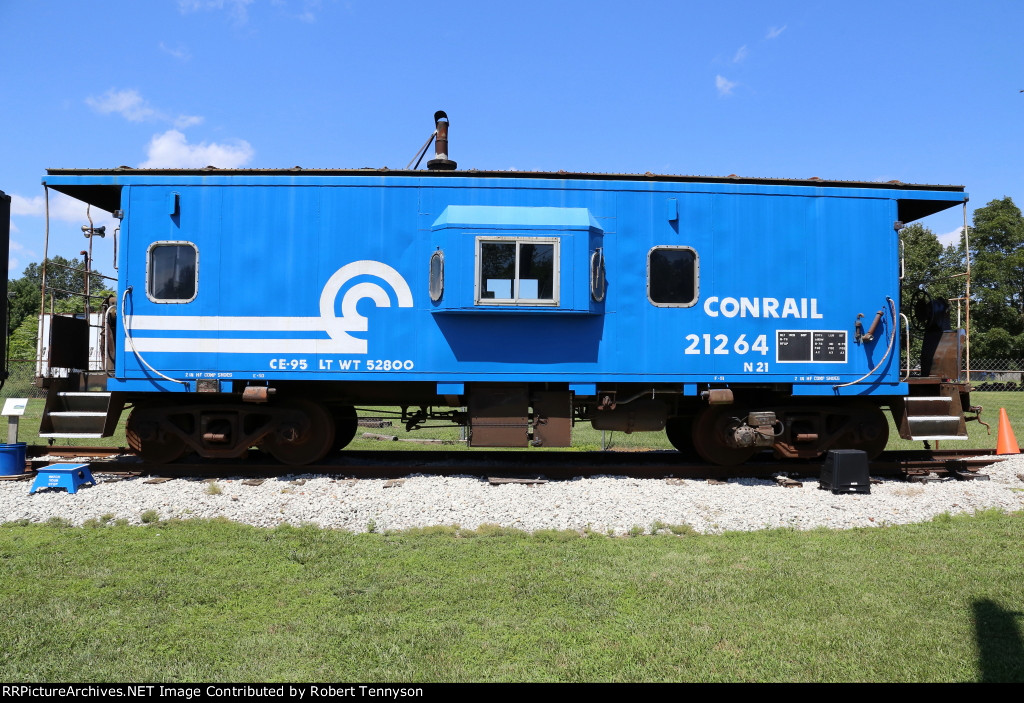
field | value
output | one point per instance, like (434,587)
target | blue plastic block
(69,476)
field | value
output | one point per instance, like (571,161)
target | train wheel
(149,439)
(710,430)
(346,424)
(871,432)
(679,431)
(305,435)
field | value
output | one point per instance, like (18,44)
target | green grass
(217,601)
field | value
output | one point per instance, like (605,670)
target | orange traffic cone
(1006,442)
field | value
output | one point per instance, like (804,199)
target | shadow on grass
(1000,647)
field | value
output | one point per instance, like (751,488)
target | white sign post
(13,409)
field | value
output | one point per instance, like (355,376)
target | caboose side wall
(277,257)
(273,250)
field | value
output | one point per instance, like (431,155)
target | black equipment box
(845,471)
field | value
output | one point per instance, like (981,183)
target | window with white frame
(517,271)
(171,272)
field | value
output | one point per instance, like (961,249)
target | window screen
(172,272)
(672,276)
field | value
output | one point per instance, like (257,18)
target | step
(919,405)
(934,427)
(72,435)
(85,401)
(65,422)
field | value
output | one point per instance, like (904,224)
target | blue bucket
(12,459)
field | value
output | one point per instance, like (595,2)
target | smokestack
(441,162)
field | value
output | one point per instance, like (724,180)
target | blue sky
(922,92)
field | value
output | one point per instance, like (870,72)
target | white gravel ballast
(606,504)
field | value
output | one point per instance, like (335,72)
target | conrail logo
(762,307)
(356,281)
(351,320)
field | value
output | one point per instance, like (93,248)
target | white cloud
(15,257)
(183,121)
(179,52)
(23,206)
(953,237)
(172,150)
(774,32)
(62,207)
(238,10)
(305,13)
(134,108)
(724,85)
(127,103)
(741,54)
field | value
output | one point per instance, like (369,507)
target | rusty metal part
(498,480)
(977,409)
(149,438)
(441,162)
(83,451)
(713,432)
(257,394)
(226,430)
(809,430)
(498,415)
(874,326)
(552,419)
(305,435)
(639,416)
(718,396)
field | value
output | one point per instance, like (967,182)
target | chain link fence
(997,374)
(20,382)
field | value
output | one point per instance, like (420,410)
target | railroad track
(915,465)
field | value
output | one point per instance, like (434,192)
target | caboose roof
(102,187)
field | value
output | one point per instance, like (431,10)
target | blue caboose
(260,307)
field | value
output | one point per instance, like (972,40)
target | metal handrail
(906,339)
(82,270)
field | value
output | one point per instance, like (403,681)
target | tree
(931,268)
(927,265)
(997,271)
(62,275)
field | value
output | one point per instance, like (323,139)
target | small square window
(172,272)
(672,276)
(517,271)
